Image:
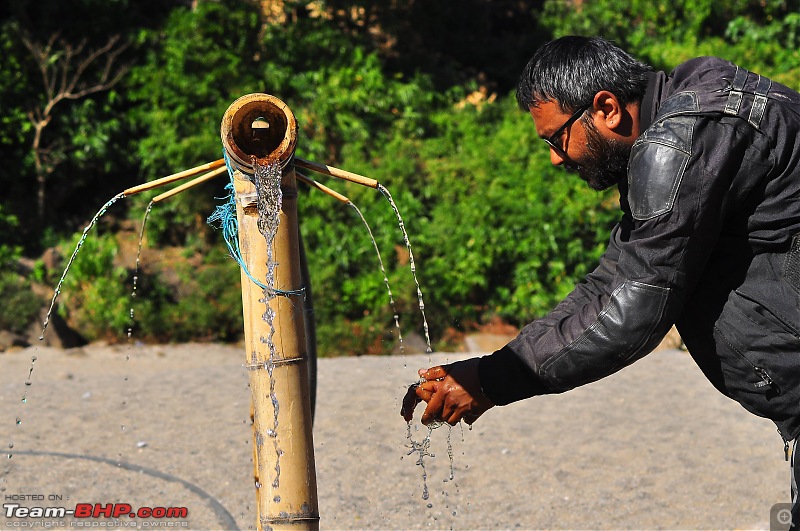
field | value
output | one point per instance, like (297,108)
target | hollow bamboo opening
(260,126)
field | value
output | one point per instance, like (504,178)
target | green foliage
(94,297)
(479,199)
(760,35)
(377,89)
(20,305)
(209,302)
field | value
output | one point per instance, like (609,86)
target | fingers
(447,400)
(434,373)
(414,395)
(434,408)
(410,401)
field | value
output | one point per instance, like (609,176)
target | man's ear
(612,116)
(608,109)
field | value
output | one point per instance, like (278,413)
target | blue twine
(224,218)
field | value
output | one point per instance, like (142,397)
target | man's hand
(452,392)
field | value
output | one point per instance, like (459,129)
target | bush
(20,305)
(94,298)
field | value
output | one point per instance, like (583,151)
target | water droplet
(122,427)
(276,499)
(258,484)
(11,445)
(19,421)
(24,400)
(454,513)
(28,383)
(430,505)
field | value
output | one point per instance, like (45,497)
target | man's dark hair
(571,70)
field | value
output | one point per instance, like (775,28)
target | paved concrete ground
(653,447)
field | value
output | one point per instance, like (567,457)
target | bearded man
(707,162)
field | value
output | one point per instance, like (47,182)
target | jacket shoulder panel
(659,158)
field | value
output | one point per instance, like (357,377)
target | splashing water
(385,281)
(422,449)
(72,259)
(382,189)
(138,264)
(267,180)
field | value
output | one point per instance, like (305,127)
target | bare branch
(96,71)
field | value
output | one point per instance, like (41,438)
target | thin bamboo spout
(259,127)
(185,174)
(336,172)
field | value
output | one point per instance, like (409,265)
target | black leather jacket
(709,241)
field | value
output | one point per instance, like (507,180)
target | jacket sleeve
(654,257)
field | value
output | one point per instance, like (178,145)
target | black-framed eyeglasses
(554,140)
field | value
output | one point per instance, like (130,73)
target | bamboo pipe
(174,177)
(185,186)
(285,474)
(336,172)
(321,187)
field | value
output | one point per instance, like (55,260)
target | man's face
(605,161)
(580,147)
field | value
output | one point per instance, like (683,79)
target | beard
(605,162)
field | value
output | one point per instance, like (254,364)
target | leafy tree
(759,35)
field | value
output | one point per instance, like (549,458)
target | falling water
(422,449)
(72,259)
(389,198)
(28,381)
(267,179)
(138,263)
(385,279)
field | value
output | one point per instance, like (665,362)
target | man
(707,161)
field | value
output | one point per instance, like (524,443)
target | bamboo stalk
(194,182)
(285,477)
(283,449)
(321,187)
(174,177)
(336,172)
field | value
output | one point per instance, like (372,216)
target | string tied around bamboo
(224,218)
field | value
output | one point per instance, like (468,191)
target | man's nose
(556,159)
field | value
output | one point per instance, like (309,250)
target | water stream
(138,265)
(385,281)
(57,292)
(267,180)
(72,259)
(382,189)
(421,448)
